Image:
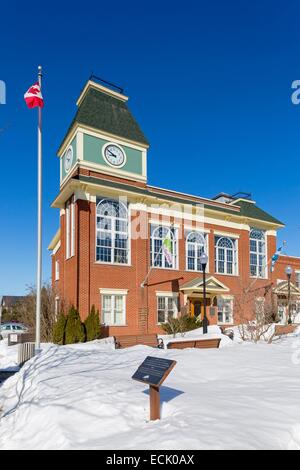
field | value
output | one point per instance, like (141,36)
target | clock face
(68,159)
(114,155)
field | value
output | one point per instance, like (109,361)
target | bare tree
(24,310)
(256,311)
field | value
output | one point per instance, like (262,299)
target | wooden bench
(196,343)
(127,341)
(281,330)
(284,329)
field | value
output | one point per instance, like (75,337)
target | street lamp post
(203,261)
(288,272)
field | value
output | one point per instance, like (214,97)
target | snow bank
(8,356)
(83,397)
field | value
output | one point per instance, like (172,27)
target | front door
(196,307)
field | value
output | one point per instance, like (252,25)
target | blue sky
(209,83)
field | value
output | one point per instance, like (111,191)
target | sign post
(153,372)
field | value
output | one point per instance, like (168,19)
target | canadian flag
(33,96)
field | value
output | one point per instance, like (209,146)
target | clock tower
(104,137)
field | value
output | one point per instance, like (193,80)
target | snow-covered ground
(8,356)
(241,397)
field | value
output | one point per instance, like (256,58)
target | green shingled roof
(109,114)
(249,209)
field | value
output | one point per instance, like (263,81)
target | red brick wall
(81,277)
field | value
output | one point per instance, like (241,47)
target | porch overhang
(195,287)
(282,288)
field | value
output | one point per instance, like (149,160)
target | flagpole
(39,225)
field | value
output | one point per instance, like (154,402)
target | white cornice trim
(113,291)
(166,294)
(226,234)
(96,86)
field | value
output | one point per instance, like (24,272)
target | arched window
(225,255)
(195,246)
(257,253)
(163,247)
(112,241)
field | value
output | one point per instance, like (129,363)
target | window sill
(113,326)
(103,263)
(259,277)
(224,274)
(165,269)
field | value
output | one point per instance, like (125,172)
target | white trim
(113,263)
(72,227)
(56,248)
(113,293)
(272,233)
(226,234)
(106,291)
(206,242)
(67,230)
(57,266)
(175,253)
(144,163)
(106,136)
(207,231)
(67,170)
(167,294)
(79,145)
(235,256)
(104,147)
(163,223)
(91,84)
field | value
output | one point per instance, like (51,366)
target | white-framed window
(225,310)
(297,274)
(167,307)
(225,255)
(57,307)
(70,228)
(113,308)
(257,253)
(163,247)
(57,270)
(196,244)
(112,232)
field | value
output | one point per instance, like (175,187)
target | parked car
(12,327)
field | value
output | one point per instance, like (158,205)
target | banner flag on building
(167,250)
(276,256)
(33,96)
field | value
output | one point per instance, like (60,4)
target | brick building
(110,247)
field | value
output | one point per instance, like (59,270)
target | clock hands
(112,153)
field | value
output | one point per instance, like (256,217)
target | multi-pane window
(298,279)
(112,241)
(56,307)
(225,255)
(195,246)
(70,228)
(225,310)
(167,307)
(257,253)
(57,270)
(163,247)
(113,309)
